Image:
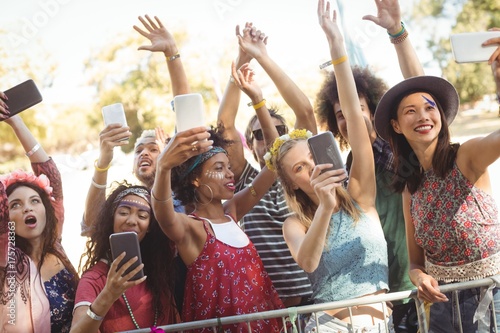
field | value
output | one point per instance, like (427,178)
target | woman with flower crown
(38,281)
(335,234)
(225,275)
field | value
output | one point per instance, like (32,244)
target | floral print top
(226,281)
(457,225)
(61,294)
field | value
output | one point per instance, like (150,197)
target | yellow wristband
(260,104)
(99,169)
(339,60)
(175,56)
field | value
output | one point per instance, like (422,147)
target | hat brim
(442,90)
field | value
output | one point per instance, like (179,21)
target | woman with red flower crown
(38,281)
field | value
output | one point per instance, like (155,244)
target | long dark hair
(408,170)
(157,250)
(50,243)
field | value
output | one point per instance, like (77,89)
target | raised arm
(244,200)
(362,177)
(389,18)
(110,137)
(163,41)
(290,92)
(228,109)
(178,150)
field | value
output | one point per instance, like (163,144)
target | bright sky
(71,29)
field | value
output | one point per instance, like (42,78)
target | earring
(211,195)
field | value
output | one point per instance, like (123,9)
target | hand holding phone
(129,243)
(324,149)
(467,47)
(189,111)
(22,97)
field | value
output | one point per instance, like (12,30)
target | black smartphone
(129,243)
(324,149)
(22,97)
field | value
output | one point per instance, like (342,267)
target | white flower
(267,156)
(309,134)
(285,137)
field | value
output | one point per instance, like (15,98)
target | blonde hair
(298,201)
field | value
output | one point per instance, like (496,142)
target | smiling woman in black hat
(451,217)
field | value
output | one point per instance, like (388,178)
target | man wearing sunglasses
(263,224)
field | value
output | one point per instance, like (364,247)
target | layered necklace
(132,314)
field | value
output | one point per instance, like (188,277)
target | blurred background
(83,55)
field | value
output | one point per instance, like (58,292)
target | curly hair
(157,250)
(182,185)
(50,237)
(368,86)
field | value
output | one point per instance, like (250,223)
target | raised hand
(252,41)
(109,138)
(161,138)
(494,60)
(329,25)
(243,78)
(388,15)
(161,39)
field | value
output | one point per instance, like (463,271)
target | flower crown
(295,134)
(27,177)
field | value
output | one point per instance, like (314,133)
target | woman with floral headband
(335,234)
(225,274)
(106,301)
(38,281)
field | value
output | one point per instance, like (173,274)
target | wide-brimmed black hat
(443,91)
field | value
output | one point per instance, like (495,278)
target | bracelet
(172,58)
(252,190)
(399,33)
(161,201)
(399,39)
(101,169)
(339,60)
(92,314)
(99,186)
(33,150)
(260,104)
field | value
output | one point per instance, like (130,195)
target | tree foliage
(438,19)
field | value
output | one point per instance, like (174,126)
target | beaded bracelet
(33,150)
(101,169)
(172,58)
(399,33)
(399,39)
(260,104)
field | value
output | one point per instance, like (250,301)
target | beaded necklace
(132,315)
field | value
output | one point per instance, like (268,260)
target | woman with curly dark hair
(225,275)
(106,300)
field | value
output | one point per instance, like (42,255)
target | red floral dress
(225,281)
(457,226)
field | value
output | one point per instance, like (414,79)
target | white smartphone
(189,111)
(467,47)
(114,114)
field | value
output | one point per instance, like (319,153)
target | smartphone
(22,97)
(129,243)
(189,111)
(466,47)
(324,149)
(114,114)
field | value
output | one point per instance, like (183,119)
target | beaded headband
(140,192)
(21,176)
(273,151)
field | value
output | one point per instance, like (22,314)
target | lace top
(457,225)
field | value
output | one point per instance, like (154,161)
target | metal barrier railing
(286,314)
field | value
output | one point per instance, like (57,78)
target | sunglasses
(257,134)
